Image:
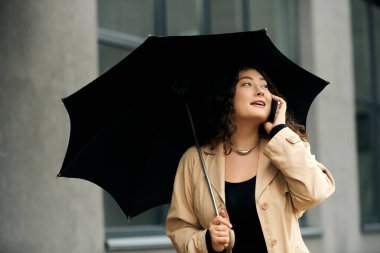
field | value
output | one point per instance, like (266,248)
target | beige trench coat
(289,181)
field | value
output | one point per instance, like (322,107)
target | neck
(246,135)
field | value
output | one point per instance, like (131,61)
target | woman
(263,174)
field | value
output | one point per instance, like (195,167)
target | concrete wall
(48,50)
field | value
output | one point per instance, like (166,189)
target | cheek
(237,106)
(243,95)
(268,109)
(241,99)
(268,97)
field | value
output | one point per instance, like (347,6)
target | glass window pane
(377,166)
(116,218)
(376,46)
(226,16)
(183,22)
(366,17)
(131,17)
(281,21)
(367,189)
(362,49)
(109,56)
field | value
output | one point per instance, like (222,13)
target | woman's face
(252,97)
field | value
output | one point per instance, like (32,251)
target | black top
(240,202)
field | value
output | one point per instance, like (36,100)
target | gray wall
(47,51)
(327,50)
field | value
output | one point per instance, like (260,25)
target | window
(125,24)
(366,34)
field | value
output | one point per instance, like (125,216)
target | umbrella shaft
(202,161)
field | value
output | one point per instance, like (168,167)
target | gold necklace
(245,151)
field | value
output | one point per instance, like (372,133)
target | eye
(247,84)
(264,86)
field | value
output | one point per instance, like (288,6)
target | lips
(260,103)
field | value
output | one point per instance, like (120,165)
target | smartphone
(273,110)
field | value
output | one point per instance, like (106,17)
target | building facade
(50,49)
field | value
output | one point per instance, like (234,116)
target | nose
(259,91)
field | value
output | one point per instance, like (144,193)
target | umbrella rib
(202,161)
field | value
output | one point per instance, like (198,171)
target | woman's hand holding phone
(277,115)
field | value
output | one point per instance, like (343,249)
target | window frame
(372,107)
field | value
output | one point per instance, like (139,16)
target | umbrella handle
(202,161)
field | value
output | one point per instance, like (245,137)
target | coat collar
(215,166)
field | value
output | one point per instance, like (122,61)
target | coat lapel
(215,166)
(265,171)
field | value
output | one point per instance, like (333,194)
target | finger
(218,248)
(223,218)
(221,228)
(221,234)
(222,240)
(225,222)
(220,220)
(215,221)
(280,100)
(280,113)
(216,233)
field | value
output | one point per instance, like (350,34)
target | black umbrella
(130,126)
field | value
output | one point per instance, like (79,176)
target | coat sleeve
(309,181)
(182,225)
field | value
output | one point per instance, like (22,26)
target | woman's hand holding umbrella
(220,232)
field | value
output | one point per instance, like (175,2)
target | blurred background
(49,49)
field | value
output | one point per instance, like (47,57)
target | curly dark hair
(222,111)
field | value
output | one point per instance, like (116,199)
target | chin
(258,118)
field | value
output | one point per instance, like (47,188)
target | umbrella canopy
(129,127)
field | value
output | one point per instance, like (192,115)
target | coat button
(293,139)
(264,206)
(274,242)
